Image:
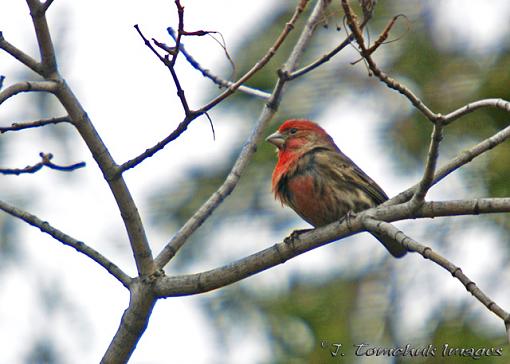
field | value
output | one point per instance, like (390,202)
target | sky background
(131,100)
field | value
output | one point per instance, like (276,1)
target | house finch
(318,181)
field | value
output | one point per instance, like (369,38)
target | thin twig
(250,145)
(170,65)
(281,252)
(35,124)
(180,31)
(45,162)
(65,239)
(27,86)
(427,253)
(20,55)
(369,8)
(216,79)
(469,108)
(185,123)
(352,22)
(461,159)
(430,165)
(262,62)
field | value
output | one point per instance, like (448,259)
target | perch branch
(281,252)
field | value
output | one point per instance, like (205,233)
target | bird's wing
(347,172)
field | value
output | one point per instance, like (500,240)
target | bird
(319,182)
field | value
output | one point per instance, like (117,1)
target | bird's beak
(276,139)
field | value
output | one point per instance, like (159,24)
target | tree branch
(27,86)
(263,61)
(187,120)
(281,252)
(65,239)
(216,79)
(20,55)
(469,108)
(461,159)
(46,5)
(45,162)
(375,226)
(430,165)
(34,124)
(368,9)
(42,32)
(134,322)
(170,64)
(127,207)
(352,22)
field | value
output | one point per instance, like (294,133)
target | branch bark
(427,253)
(281,252)
(65,239)
(27,86)
(461,159)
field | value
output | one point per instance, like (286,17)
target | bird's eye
(293,131)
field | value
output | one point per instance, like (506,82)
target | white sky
(105,51)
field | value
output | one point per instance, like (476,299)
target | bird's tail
(395,249)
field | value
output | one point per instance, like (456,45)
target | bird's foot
(294,235)
(347,218)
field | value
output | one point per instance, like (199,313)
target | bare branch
(187,120)
(27,86)
(262,62)
(35,124)
(321,60)
(281,252)
(127,207)
(368,7)
(180,30)
(20,55)
(430,165)
(65,239)
(45,162)
(461,159)
(170,65)
(352,22)
(249,147)
(181,128)
(133,323)
(42,32)
(428,253)
(216,79)
(46,5)
(469,108)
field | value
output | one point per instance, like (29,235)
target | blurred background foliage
(346,307)
(299,315)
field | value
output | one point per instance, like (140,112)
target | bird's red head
(298,134)
(295,138)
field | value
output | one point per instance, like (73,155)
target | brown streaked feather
(318,202)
